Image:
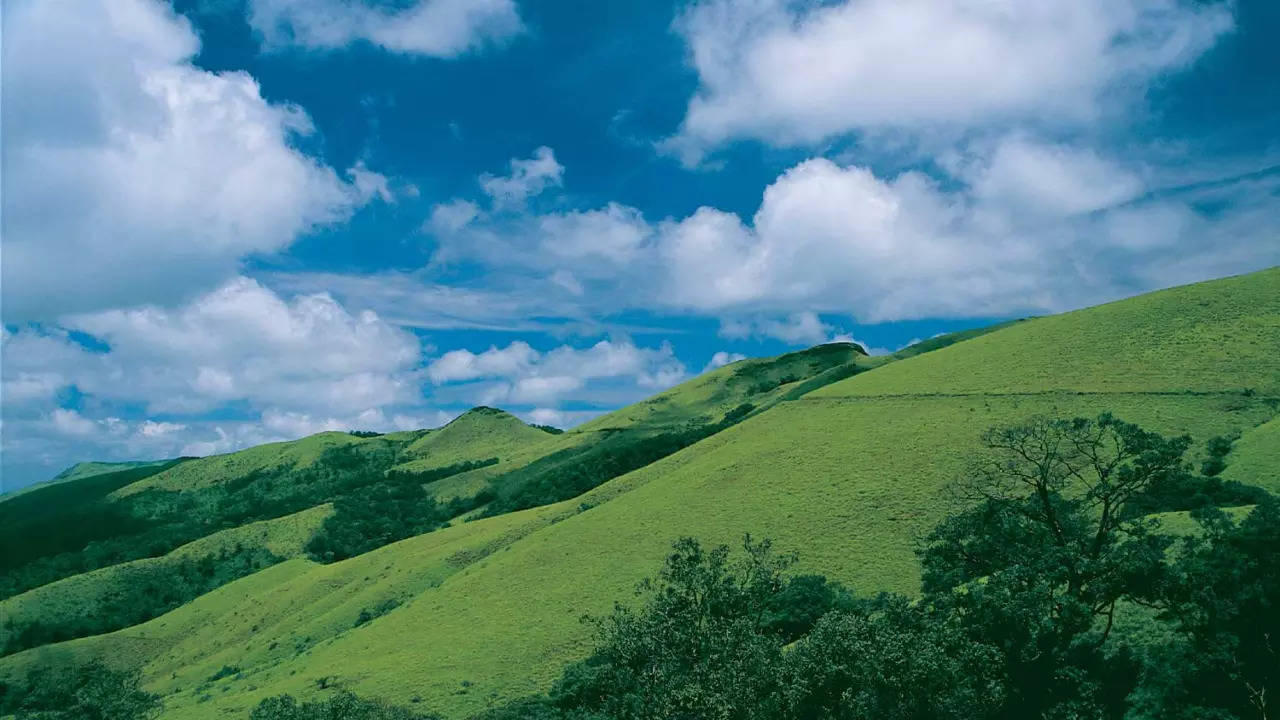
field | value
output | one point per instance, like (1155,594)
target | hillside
(839,457)
(161,535)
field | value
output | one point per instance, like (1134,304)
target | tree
(698,648)
(86,692)
(1223,596)
(899,662)
(1039,561)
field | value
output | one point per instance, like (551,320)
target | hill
(844,463)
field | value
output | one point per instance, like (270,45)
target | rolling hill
(837,456)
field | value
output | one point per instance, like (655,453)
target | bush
(83,692)
(343,706)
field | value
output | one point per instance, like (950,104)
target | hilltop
(833,454)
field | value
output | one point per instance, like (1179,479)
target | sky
(229,222)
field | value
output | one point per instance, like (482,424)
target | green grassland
(479,432)
(293,455)
(108,590)
(842,458)
(1255,457)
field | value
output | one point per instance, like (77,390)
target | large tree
(1046,550)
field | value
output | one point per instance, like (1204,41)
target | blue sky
(227,222)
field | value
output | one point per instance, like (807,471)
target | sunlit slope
(295,454)
(479,433)
(88,594)
(1255,457)
(758,383)
(1219,336)
(266,624)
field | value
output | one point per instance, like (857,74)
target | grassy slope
(302,453)
(843,476)
(846,475)
(478,433)
(86,593)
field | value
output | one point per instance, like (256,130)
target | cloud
(840,239)
(559,418)
(277,368)
(434,28)
(798,73)
(241,344)
(70,422)
(1005,225)
(527,178)
(1049,180)
(133,176)
(802,328)
(460,365)
(520,375)
(722,358)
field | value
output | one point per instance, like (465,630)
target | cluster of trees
(569,473)
(149,593)
(64,529)
(391,509)
(91,691)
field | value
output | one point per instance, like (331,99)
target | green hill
(839,457)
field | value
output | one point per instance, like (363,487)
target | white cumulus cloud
(131,175)
(797,73)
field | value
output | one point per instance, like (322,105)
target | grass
(88,594)
(848,472)
(1213,337)
(1255,457)
(478,433)
(295,454)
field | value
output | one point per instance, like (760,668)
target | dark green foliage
(226,672)
(382,608)
(1218,449)
(550,429)
(1191,492)
(364,433)
(1039,564)
(343,706)
(147,596)
(698,648)
(1223,596)
(801,602)
(573,471)
(392,509)
(900,662)
(85,692)
(54,523)
(709,639)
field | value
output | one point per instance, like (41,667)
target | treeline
(573,471)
